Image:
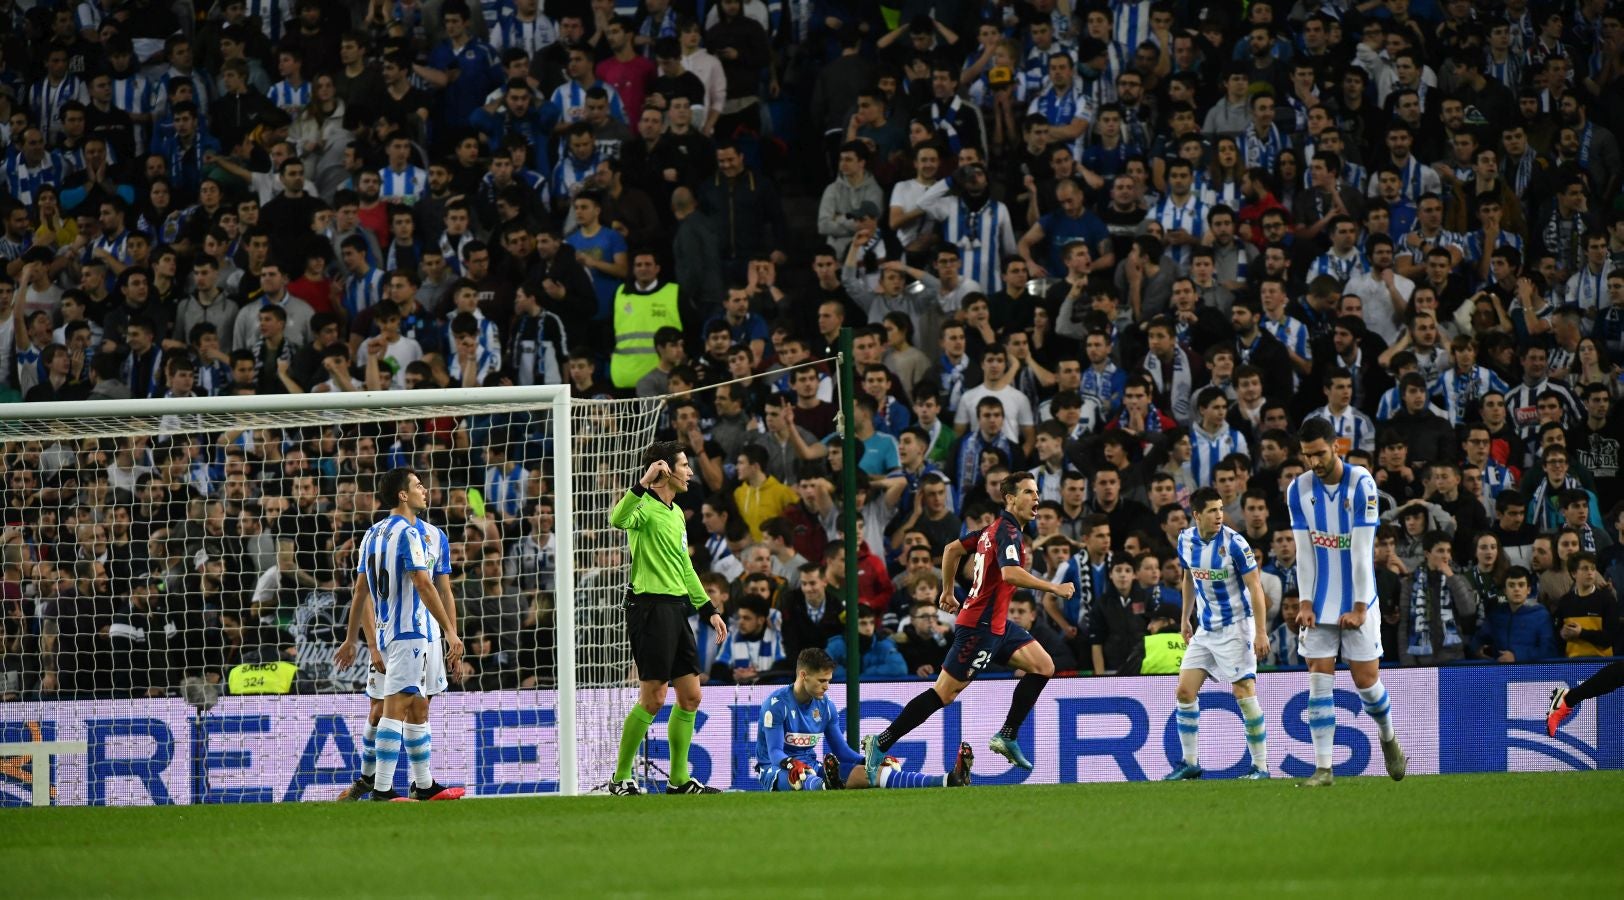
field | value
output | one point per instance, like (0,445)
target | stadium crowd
(1125,245)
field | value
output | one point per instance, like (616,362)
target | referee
(664,592)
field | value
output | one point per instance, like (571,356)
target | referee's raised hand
(657,471)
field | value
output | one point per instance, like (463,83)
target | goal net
(176,579)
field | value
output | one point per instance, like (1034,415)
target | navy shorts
(974,648)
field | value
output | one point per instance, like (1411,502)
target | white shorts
(406,663)
(1227,654)
(434,680)
(1362,644)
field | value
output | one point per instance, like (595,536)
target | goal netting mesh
(176,587)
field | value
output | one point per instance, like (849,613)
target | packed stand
(1127,246)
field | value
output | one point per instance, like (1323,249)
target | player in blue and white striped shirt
(1333,509)
(396,567)
(1223,594)
(437,551)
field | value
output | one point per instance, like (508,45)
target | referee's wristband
(708,610)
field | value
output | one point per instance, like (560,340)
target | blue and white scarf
(1176,386)
(1153,420)
(1260,152)
(953,380)
(969,461)
(944,117)
(1543,513)
(1420,616)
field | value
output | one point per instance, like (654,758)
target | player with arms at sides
(792,719)
(438,550)
(404,598)
(664,591)
(1565,701)
(1224,594)
(1333,521)
(983,633)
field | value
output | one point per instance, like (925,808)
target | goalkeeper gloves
(799,771)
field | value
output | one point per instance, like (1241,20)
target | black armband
(639,491)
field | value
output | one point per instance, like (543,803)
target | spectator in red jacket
(1257,199)
(874,587)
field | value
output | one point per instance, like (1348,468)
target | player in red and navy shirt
(982,633)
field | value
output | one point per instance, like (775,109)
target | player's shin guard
(1189,717)
(390,738)
(1322,717)
(913,715)
(1020,706)
(1379,708)
(631,737)
(1257,735)
(891,777)
(416,744)
(680,734)
(369,752)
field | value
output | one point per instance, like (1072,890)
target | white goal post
(137,530)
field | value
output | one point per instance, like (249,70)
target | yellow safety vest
(637,317)
(1164,653)
(262,678)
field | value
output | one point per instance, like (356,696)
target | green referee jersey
(659,543)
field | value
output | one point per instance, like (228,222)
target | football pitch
(1442,836)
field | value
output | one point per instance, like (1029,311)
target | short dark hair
(1582,556)
(1013,483)
(815,659)
(661,451)
(392,484)
(1202,497)
(755,453)
(1316,430)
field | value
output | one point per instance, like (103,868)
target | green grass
(1466,835)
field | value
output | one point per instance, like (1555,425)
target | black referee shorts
(662,641)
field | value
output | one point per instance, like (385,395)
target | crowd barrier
(259,749)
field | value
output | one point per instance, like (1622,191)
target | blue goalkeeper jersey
(790,729)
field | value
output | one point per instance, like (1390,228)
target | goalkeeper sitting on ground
(787,740)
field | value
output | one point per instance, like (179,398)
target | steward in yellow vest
(641,309)
(1163,650)
(262,678)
